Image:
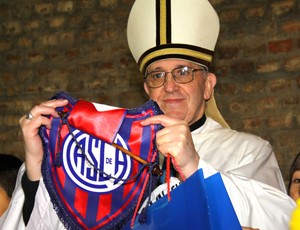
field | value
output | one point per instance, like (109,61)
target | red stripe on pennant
(104,206)
(81,201)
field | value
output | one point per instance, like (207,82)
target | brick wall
(257,63)
(80,46)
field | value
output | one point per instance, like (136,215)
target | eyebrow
(159,68)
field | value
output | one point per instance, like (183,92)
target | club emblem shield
(92,181)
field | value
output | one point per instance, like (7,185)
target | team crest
(92,181)
(81,167)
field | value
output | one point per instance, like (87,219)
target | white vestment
(247,165)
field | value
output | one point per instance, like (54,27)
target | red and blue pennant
(92,180)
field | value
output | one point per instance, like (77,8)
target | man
(182,35)
(173,42)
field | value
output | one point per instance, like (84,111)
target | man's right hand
(30,130)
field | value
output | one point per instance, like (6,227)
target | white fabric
(155,31)
(193,22)
(246,162)
(250,173)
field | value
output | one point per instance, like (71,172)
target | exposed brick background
(80,46)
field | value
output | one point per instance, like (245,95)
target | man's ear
(210,83)
(146,88)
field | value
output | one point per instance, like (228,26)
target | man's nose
(170,83)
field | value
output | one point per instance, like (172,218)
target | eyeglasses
(181,75)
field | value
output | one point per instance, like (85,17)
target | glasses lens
(155,79)
(183,74)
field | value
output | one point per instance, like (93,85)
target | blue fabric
(197,203)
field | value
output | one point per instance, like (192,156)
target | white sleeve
(13,217)
(43,216)
(256,204)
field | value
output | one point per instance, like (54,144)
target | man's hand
(176,139)
(32,141)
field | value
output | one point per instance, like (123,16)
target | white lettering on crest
(82,168)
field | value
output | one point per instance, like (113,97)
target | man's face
(295,185)
(182,101)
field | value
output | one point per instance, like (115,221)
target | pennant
(92,183)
